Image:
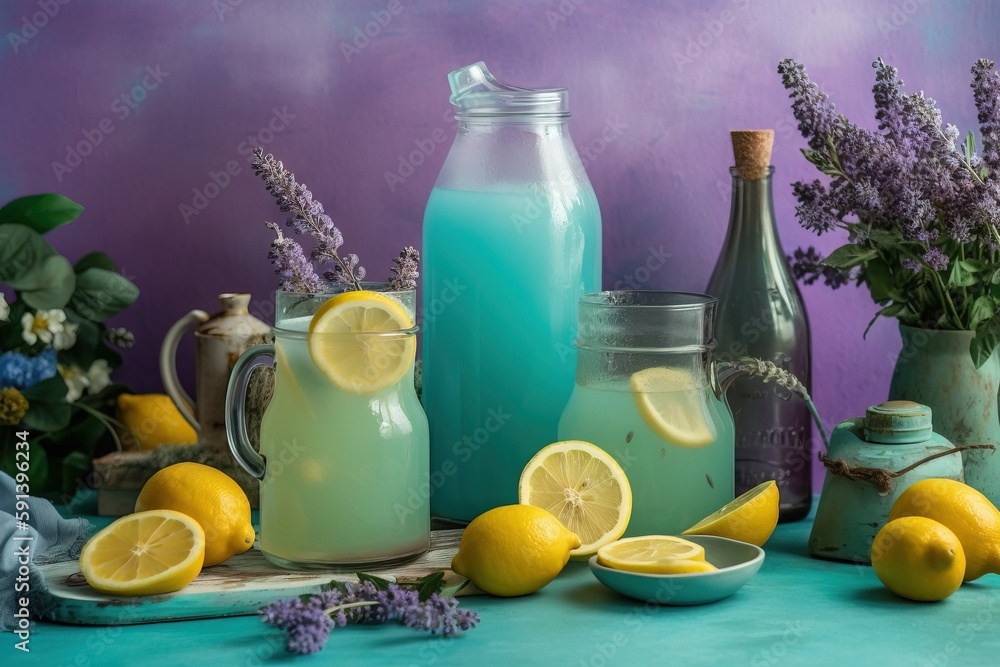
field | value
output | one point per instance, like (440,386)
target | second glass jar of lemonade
(647,393)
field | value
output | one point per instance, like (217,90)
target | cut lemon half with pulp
(361,341)
(750,518)
(584,487)
(672,403)
(146,553)
(655,554)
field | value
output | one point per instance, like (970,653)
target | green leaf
(83,433)
(879,279)
(432,583)
(379,583)
(101,293)
(959,276)
(973,265)
(49,284)
(970,146)
(884,239)
(88,340)
(42,213)
(47,406)
(21,249)
(95,260)
(985,341)
(995,278)
(982,309)
(850,255)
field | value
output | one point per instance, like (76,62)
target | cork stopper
(752,149)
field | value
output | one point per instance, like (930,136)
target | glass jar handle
(236,395)
(726,373)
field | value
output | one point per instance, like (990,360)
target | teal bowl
(737,563)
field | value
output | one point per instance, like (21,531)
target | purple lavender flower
(295,273)
(912,265)
(308,622)
(936,259)
(986,92)
(812,108)
(405,272)
(307,217)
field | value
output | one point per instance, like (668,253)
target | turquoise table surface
(796,611)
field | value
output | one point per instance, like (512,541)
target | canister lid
(898,422)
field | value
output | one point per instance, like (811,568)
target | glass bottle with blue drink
(512,239)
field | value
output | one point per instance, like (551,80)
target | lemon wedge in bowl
(582,486)
(146,553)
(751,518)
(361,341)
(654,554)
(672,403)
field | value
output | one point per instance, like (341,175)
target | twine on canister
(881,478)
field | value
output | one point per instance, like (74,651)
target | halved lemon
(654,554)
(750,518)
(672,403)
(584,487)
(352,360)
(146,553)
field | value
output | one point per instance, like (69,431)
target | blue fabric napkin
(31,537)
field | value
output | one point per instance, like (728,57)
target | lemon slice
(146,553)
(356,363)
(583,487)
(672,403)
(655,554)
(750,518)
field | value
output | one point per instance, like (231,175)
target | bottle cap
(752,149)
(476,93)
(898,422)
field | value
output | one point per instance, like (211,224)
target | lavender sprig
(405,270)
(308,620)
(295,272)
(308,217)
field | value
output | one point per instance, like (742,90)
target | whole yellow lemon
(152,420)
(211,498)
(965,511)
(514,550)
(918,558)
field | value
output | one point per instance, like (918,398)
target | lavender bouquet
(295,271)
(920,210)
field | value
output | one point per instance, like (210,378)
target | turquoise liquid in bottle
(512,239)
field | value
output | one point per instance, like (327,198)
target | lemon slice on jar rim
(672,403)
(352,360)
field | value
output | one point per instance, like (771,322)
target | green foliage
(64,435)
(42,213)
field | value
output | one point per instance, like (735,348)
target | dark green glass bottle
(760,314)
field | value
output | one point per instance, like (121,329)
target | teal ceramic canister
(891,436)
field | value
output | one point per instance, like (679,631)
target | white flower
(96,378)
(76,381)
(42,325)
(65,339)
(4,308)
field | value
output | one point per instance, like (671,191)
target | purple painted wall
(668,78)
